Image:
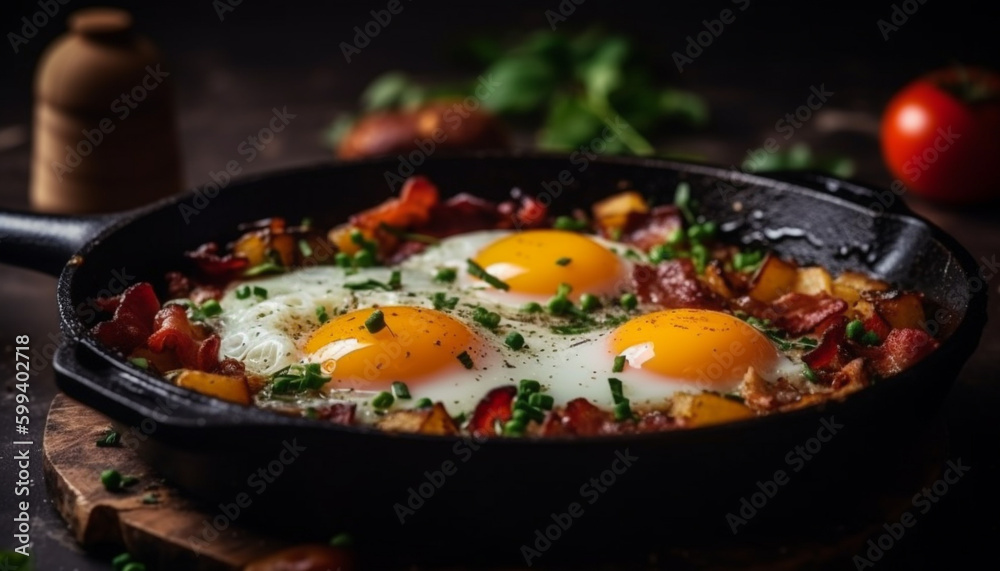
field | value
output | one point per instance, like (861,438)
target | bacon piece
(850,378)
(674,284)
(647,229)
(493,407)
(132,323)
(208,260)
(231,368)
(582,417)
(411,208)
(174,332)
(879,326)
(799,313)
(462,213)
(338,413)
(178,285)
(901,349)
(830,354)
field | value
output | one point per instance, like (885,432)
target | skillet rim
(965,336)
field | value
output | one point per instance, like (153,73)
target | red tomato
(941,135)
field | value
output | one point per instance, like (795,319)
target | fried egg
(318,315)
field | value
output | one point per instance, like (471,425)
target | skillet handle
(880,200)
(45,242)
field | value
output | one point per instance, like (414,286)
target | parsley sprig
(297,379)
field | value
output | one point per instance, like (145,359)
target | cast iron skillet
(489,499)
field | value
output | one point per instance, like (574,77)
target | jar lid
(102,21)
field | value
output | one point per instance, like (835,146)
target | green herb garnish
(465,359)
(629,301)
(321,315)
(619,364)
(531,307)
(476,271)
(400,390)
(243,292)
(446,275)
(342,540)
(514,340)
(375,321)
(423,403)
(259,292)
(409,236)
(542,401)
(442,301)
(383,400)
(110,438)
(140,362)
(486,318)
(571,224)
(589,302)
(298,378)
(563,261)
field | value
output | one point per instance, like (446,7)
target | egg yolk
(414,344)
(707,348)
(536,262)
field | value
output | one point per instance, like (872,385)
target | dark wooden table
(230,74)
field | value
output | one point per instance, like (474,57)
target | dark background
(229,75)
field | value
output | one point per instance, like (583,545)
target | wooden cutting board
(155,533)
(160,534)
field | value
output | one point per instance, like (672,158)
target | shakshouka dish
(463,316)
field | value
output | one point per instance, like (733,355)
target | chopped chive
(477,271)
(682,199)
(442,301)
(110,438)
(563,261)
(531,307)
(400,390)
(243,292)
(623,410)
(564,289)
(396,279)
(367,285)
(129,481)
(423,403)
(529,412)
(305,248)
(660,253)
(446,275)
(259,292)
(306,223)
(359,239)
(150,499)
(855,329)
(699,257)
(342,259)
(514,340)
(675,237)
(570,223)
(364,259)
(589,302)
(629,301)
(459,419)
(870,338)
(809,374)
(298,378)
(112,480)
(321,315)
(632,255)
(619,364)
(486,318)
(616,389)
(514,428)
(541,401)
(268,267)
(743,261)
(528,386)
(120,560)
(383,400)
(559,305)
(211,308)
(342,540)
(375,321)
(808,342)
(465,359)
(140,362)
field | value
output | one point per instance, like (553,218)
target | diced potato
(862,309)
(612,212)
(232,389)
(774,279)
(716,281)
(252,246)
(434,420)
(707,408)
(285,246)
(813,281)
(849,286)
(901,310)
(341,238)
